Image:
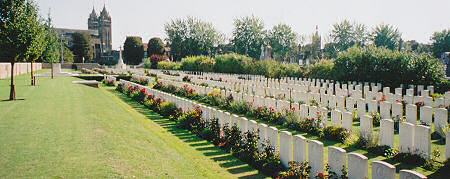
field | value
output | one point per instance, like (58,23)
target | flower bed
(242,145)
(288,118)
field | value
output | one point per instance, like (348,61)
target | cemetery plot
(369,125)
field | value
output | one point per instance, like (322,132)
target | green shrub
(168,65)
(296,170)
(339,134)
(197,63)
(391,68)
(323,69)
(169,109)
(233,63)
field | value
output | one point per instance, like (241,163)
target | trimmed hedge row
(370,64)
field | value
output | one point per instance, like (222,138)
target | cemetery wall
(19,68)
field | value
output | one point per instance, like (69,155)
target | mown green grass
(65,130)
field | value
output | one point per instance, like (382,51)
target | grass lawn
(65,130)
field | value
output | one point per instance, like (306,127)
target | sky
(415,19)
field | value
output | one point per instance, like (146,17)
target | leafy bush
(168,65)
(239,107)
(373,64)
(323,69)
(155,46)
(169,109)
(192,121)
(334,133)
(140,80)
(155,59)
(232,63)
(296,170)
(197,63)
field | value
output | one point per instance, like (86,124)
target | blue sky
(416,19)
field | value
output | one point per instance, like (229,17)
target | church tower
(93,20)
(104,31)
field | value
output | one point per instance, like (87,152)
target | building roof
(71,31)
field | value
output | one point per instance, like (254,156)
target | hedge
(369,64)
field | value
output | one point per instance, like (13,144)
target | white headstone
(426,113)
(315,157)
(262,135)
(336,117)
(422,141)
(366,127)
(382,170)
(347,120)
(387,132)
(441,121)
(300,148)
(411,113)
(409,174)
(406,137)
(358,166)
(272,135)
(385,110)
(337,158)
(285,148)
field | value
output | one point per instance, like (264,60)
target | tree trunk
(12,93)
(52,69)
(32,75)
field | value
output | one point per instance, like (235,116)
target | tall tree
(82,48)
(440,42)
(343,35)
(52,53)
(387,36)
(155,46)
(283,41)
(248,36)
(37,35)
(133,50)
(192,36)
(20,37)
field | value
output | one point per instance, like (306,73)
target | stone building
(100,30)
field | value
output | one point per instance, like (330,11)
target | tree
(440,42)
(191,36)
(386,36)
(19,34)
(248,36)
(343,35)
(52,49)
(283,41)
(133,50)
(361,36)
(36,35)
(155,46)
(82,47)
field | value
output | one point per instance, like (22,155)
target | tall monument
(120,63)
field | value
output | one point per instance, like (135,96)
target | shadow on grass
(225,159)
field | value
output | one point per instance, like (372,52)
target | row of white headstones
(294,148)
(413,138)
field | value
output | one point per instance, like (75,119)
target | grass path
(65,130)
